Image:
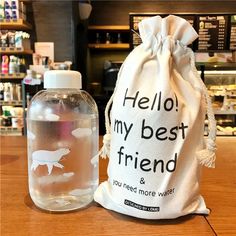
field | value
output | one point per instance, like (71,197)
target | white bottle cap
(62,79)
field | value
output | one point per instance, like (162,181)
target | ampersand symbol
(142,181)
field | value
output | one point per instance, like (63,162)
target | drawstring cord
(105,150)
(206,156)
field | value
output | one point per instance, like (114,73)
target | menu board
(212,32)
(233,33)
(136,18)
(216,32)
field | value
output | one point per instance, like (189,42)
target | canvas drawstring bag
(155,129)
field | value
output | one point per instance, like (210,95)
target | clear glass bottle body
(62,149)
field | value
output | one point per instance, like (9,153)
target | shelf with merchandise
(18,24)
(109,27)
(13,50)
(216,67)
(21,48)
(9,130)
(109,46)
(10,103)
(15,76)
(108,37)
(2,116)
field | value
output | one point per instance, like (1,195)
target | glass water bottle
(62,139)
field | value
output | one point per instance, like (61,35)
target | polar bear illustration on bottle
(49,158)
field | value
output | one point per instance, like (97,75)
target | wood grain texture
(19,216)
(219,188)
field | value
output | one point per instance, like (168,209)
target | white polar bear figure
(49,158)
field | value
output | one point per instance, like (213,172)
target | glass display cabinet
(221,84)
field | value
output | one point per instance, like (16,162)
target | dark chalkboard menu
(212,32)
(233,33)
(216,32)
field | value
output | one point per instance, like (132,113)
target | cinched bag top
(156,30)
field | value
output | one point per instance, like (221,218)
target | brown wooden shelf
(109,27)
(11,103)
(224,112)
(2,116)
(9,130)
(12,76)
(13,50)
(18,24)
(109,46)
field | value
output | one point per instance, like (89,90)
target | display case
(220,81)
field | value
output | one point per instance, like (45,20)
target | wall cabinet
(18,24)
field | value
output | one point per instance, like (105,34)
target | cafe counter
(19,216)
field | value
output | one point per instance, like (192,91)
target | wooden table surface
(19,216)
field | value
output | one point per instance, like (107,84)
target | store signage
(216,32)
(212,32)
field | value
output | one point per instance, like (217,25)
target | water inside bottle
(63,162)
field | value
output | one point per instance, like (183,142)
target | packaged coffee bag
(155,129)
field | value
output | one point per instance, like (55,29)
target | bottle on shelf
(108,38)
(18,92)
(98,38)
(3,37)
(18,65)
(6,121)
(22,65)
(1,91)
(11,39)
(119,40)
(7,93)
(6,118)
(5,61)
(12,65)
